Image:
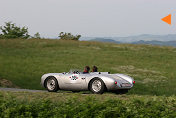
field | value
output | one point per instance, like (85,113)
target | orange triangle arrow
(167,19)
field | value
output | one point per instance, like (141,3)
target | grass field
(153,67)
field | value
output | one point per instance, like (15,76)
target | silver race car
(97,82)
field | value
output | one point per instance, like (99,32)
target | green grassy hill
(24,61)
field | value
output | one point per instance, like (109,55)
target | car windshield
(78,71)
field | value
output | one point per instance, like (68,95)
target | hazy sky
(107,18)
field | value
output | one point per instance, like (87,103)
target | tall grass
(25,61)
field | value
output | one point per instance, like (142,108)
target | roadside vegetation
(23,62)
(69,105)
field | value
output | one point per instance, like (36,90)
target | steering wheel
(76,72)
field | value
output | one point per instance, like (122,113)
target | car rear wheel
(97,86)
(51,84)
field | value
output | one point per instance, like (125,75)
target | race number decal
(74,77)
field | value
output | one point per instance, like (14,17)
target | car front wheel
(97,86)
(52,84)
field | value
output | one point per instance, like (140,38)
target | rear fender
(107,81)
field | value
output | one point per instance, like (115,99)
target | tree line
(12,31)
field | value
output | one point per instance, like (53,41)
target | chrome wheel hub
(96,85)
(51,84)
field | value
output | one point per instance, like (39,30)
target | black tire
(51,84)
(100,89)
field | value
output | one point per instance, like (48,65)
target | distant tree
(37,36)
(10,31)
(68,36)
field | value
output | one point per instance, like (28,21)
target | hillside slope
(24,61)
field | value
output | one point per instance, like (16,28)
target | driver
(86,70)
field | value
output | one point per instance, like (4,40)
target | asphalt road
(28,90)
(15,89)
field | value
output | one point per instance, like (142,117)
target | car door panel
(73,82)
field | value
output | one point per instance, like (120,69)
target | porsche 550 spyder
(96,82)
